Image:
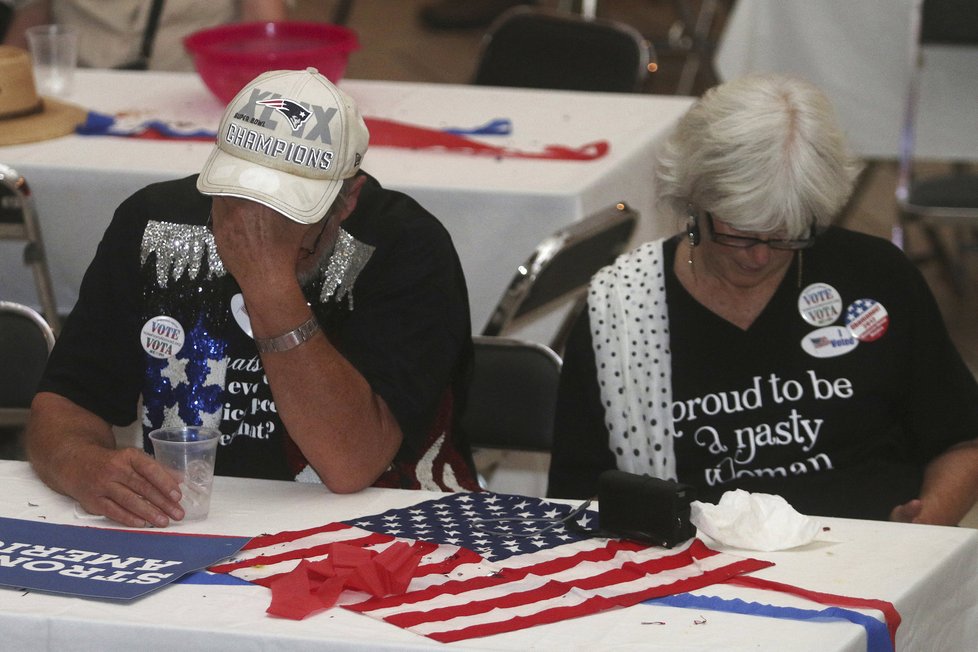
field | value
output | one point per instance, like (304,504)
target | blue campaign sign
(102,563)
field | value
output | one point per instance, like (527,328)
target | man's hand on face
(258,245)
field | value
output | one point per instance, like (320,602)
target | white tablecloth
(496,210)
(858,52)
(929,573)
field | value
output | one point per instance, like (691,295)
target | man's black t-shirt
(392,299)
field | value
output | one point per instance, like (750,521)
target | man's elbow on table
(362,464)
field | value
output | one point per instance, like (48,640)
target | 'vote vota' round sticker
(867,320)
(162,337)
(820,304)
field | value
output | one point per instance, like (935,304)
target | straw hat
(25,117)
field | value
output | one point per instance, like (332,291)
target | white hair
(762,153)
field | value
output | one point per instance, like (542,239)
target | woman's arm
(949,490)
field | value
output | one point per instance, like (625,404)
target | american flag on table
(493,566)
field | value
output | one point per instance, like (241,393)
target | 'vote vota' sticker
(820,304)
(867,320)
(162,337)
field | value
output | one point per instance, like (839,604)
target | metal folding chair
(512,395)
(25,342)
(18,221)
(945,200)
(691,38)
(559,270)
(532,47)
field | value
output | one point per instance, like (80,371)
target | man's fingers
(160,480)
(907,512)
(136,491)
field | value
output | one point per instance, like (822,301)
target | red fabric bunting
(314,586)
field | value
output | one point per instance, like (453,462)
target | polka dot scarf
(630,335)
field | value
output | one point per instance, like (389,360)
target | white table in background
(930,574)
(496,210)
(858,52)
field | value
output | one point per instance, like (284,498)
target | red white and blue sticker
(162,337)
(867,320)
(829,342)
(820,304)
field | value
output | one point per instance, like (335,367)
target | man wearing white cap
(319,320)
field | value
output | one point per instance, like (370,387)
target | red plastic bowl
(229,56)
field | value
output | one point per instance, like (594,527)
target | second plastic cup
(189,453)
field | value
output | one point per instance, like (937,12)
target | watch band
(289,340)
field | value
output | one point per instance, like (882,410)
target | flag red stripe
(264,540)
(444,567)
(599,603)
(506,575)
(629,572)
(299,553)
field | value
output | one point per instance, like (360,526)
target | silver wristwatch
(289,340)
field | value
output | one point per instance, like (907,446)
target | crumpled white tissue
(754,521)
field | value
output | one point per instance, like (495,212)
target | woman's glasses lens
(746,242)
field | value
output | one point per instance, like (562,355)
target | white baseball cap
(287,140)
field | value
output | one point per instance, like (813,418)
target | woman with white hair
(761,348)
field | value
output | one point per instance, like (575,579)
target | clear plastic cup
(189,453)
(54,50)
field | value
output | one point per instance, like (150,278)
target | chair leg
(700,52)
(342,12)
(34,257)
(937,250)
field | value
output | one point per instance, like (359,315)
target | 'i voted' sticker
(829,342)
(162,337)
(820,304)
(867,320)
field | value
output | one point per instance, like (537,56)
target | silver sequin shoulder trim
(348,259)
(182,248)
(179,249)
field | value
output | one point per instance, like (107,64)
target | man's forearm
(58,431)
(73,451)
(345,431)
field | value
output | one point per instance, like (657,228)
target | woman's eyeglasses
(746,242)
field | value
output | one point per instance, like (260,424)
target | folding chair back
(560,268)
(943,200)
(25,342)
(529,47)
(512,395)
(18,221)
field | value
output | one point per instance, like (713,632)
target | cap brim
(57,119)
(303,200)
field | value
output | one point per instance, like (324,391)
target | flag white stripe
(582,570)
(574,596)
(299,547)
(305,542)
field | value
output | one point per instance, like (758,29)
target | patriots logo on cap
(295,112)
